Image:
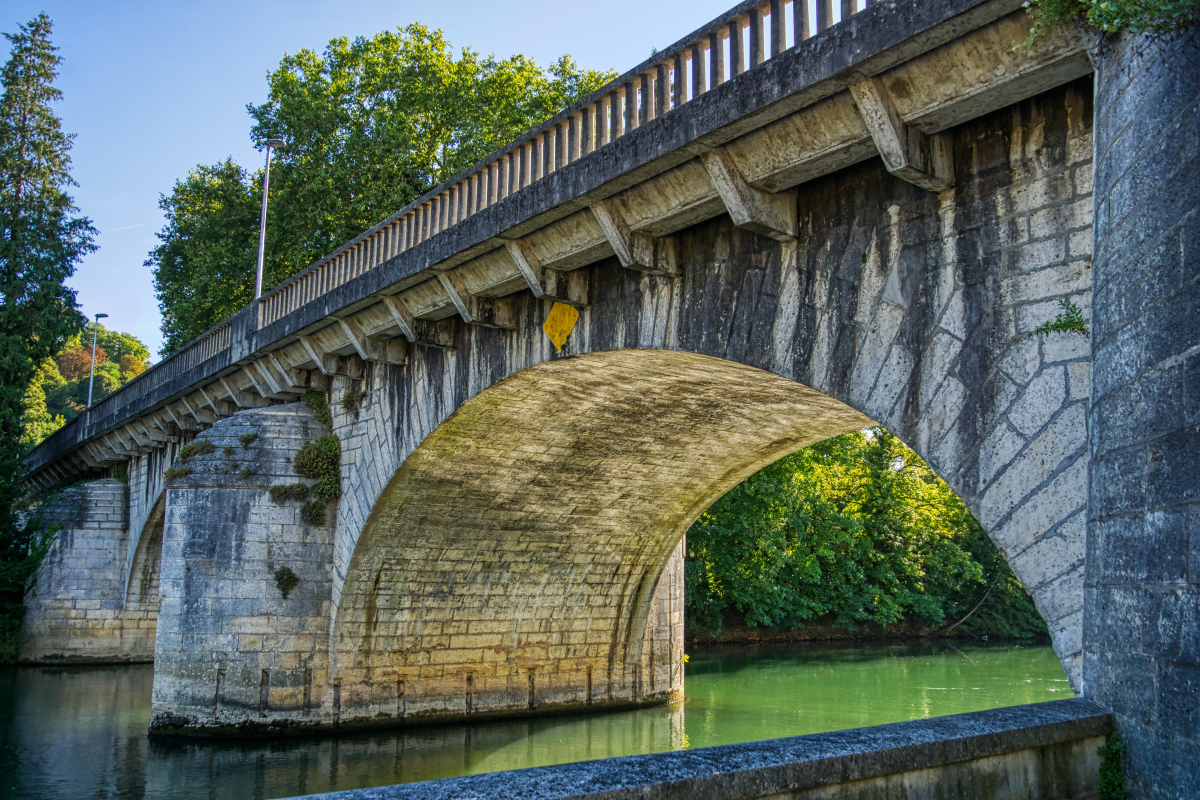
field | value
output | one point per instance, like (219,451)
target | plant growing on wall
(1115,16)
(286,580)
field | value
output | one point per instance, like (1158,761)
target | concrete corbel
(570,288)
(219,407)
(315,354)
(770,214)
(155,436)
(383,351)
(418,331)
(198,413)
(634,250)
(179,420)
(475,310)
(263,382)
(909,154)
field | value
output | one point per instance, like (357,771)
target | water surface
(80,732)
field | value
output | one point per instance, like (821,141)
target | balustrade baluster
(511,164)
(847,9)
(778,28)
(662,101)
(492,173)
(699,84)
(560,147)
(801,25)
(757,55)
(547,152)
(572,145)
(737,64)
(603,105)
(716,59)
(678,90)
(586,131)
(824,14)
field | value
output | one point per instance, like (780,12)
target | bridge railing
(733,43)
(730,45)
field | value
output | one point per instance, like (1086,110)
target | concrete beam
(909,154)
(475,310)
(314,351)
(561,287)
(770,214)
(156,436)
(634,250)
(418,331)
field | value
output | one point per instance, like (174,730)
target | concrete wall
(77,611)
(1045,751)
(1142,631)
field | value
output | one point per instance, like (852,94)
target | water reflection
(81,732)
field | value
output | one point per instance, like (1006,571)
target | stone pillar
(76,611)
(1142,598)
(233,654)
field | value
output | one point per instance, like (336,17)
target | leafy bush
(1112,778)
(321,461)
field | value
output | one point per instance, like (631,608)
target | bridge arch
(514,559)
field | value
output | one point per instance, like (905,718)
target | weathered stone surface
(232,653)
(1043,752)
(76,611)
(1140,620)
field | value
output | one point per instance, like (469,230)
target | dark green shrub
(317,401)
(245,472)
(321,461)
(1112,779)
(351,401)
(286,580)
(246,439)
(313,512)
(227,450)
(293,491)
(1114,16)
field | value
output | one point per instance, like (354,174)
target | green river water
(80,732)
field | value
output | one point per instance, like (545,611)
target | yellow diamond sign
(559,324)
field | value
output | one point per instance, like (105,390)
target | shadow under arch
(521,557)
(145,567)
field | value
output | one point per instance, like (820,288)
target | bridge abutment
(1142,612)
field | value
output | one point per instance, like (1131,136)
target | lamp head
(101,316)
(276,143)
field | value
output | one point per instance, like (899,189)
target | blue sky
(154,88)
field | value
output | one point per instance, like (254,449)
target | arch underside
(514,560)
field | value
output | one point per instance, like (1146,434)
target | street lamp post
(262,220)
(92,374)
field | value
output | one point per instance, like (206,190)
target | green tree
(38,421)
(41,241)
(370,124)
(854,530)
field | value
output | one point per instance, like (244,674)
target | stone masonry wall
(231,651)
(77,610)
(914,308)
(1142,618)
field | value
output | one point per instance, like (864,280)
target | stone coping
(768,767)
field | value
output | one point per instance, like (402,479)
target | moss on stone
(246,439)
(313,512)
(321,461)
(174,473)
(200,447)
(291,491)
(319,404)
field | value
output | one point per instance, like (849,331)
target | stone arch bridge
(795,222)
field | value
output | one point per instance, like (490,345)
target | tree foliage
(1115,16)
(41,241)
(854,530)
(370,124)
